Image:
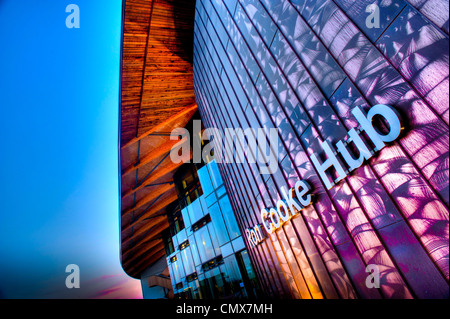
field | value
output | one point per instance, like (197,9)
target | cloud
(115,287)
(118,286)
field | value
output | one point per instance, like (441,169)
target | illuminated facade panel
(303,68)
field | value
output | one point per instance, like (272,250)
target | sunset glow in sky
(59,99)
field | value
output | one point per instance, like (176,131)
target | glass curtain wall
(207,256)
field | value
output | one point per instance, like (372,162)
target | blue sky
(59,95)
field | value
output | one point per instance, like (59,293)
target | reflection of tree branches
(418,50)
(369,79)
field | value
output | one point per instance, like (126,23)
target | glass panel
(247,264)
(204,205)
(194,289)
(213,233)
(188,262)
(234,278)
(221,191)
(229,218)
(203,287)
(181,237)
(211,199)
(172,274)
(194,250)
(248,272)
(178,270)
(238,244)
(215,174)
(219,225)
(195,211)
(227,250)
(205,180)
(204,244)
(216,283)
(199,270)
(186,219)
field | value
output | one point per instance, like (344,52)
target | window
(211,199)
(201,223)
(187,185)
(204,244)
(195,211)
(192,277)
(248,274)
(212,263)
(221,191)
(205,180)
(179,286)
(188,262)
(234,278)
(215,242)
(186,219)
(178,269)
(168,243)
(184,245)
(215,174)
(219,224)
(194,250)
(176,221)
(229,218)
(216,283)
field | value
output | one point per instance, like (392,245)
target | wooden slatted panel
(157,84)
(135,32)
(158,57)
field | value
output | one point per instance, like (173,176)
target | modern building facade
(157,96)
(206,253)
(302,67)
(357,93)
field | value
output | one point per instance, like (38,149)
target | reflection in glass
(230,219)
(221,191)
(213,234)
(188,262)
(194,250)
(215,174)
(216,283)
(248,273)
(186,219)
(194,288)
(211,199)
(195,211)
(204,244)
(178,270)
(205,180)
(219,225)
(172,276)
(234,278)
